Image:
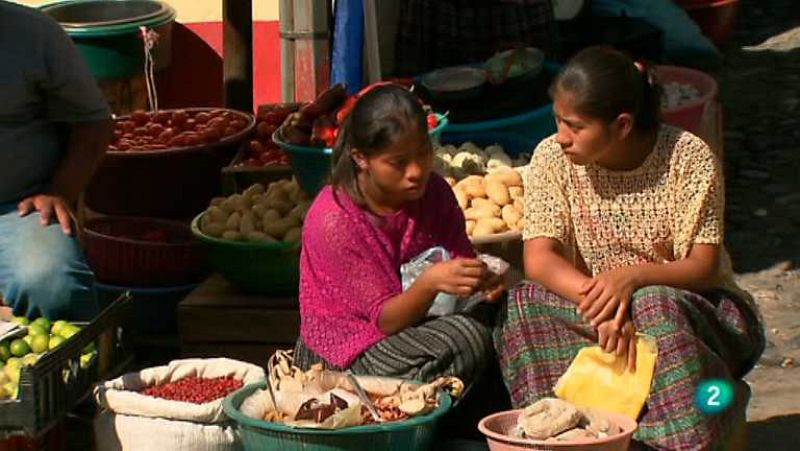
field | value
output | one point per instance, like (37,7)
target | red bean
(195,390)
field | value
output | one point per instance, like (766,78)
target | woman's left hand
(608,295)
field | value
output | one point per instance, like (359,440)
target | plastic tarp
(348,44)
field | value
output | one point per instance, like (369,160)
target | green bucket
(107,33)
(414,434)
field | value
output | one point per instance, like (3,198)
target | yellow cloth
(601,380)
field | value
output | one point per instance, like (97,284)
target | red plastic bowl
(143,252)
(715,18)
(688,116)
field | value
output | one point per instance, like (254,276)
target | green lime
(13,374)
(5,353)
(40,343)
(57,326)
(69,330)
(3,377)
(55,341)
(13,363)
(35,329)
(11,389)
(21,320)
(27,339)
(19,347)
(42,322)
(89,348)
(30,359)
(86,359)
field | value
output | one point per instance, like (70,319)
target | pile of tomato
(261,151)
(168,129)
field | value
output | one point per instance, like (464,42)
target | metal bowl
(100,13)
(455,83)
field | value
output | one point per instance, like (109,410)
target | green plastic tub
(415,434)
(256,268)
(311,165)
(107,33)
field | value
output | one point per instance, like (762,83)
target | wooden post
(306,42)
(237,41)
(371,42)
(286,13)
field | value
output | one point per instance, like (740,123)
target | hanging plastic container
(108,33)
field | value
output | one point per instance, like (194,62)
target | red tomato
(192,139)
(256,148)
(161,117)
(179,117)
(238,124)
(140,131)
(211,134)
(230,131)
(166,136)
(263,130)
(201,117)
(118,134)
(140,117)
(126,126)
(251,162)
(154,129)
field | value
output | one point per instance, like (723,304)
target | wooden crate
(216,320)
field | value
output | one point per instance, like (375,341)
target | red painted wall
(195,76)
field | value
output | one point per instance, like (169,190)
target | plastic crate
(236,179)
(51,387)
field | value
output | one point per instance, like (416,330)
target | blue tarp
(348,44)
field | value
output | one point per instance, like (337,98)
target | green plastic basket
(311,165)
(415,434)
(257,268)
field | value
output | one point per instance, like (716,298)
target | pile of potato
(470,159)
(271,214)
(492,203)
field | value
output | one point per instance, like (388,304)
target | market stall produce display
(322,399)
(39,337)
(488,187)
(552,419)
(259,214)
(261,151)
(173,129)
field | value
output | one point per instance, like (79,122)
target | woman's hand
(460,276)
(492,285)
(608,296)
(620,341)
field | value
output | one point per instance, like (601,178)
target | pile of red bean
(197,390)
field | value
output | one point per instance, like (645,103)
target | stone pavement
(760,93)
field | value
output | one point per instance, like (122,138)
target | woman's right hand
(459,276)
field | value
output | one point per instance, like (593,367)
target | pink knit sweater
(350,264)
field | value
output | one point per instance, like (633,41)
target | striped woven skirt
(454,345)
(698,337)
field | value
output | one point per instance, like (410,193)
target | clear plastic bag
(446,304)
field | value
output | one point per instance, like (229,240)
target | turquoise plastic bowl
(311,165)
(415,434)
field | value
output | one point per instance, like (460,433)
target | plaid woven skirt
(439,33)
(698,337)
(453,345)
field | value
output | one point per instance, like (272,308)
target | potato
(270,215)
(299,212)
(283,206)
(246,223)
(254,189)
(292,235)
(479,202)
(509,177)
(515,191)
(470,227)
(482,229)
(232,235)
(228,206)
(475,213)
(498,193)
(497,225)
(469,180)
(217,201)
(259,210)
(233,221)
(215,229)
(277,229)
(259,237)
(517,226)
(519,204)
(511,215)
(240,203)
(461,198)
(475,190)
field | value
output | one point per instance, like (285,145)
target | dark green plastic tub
(107,34)
(256,268)
(415,434)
